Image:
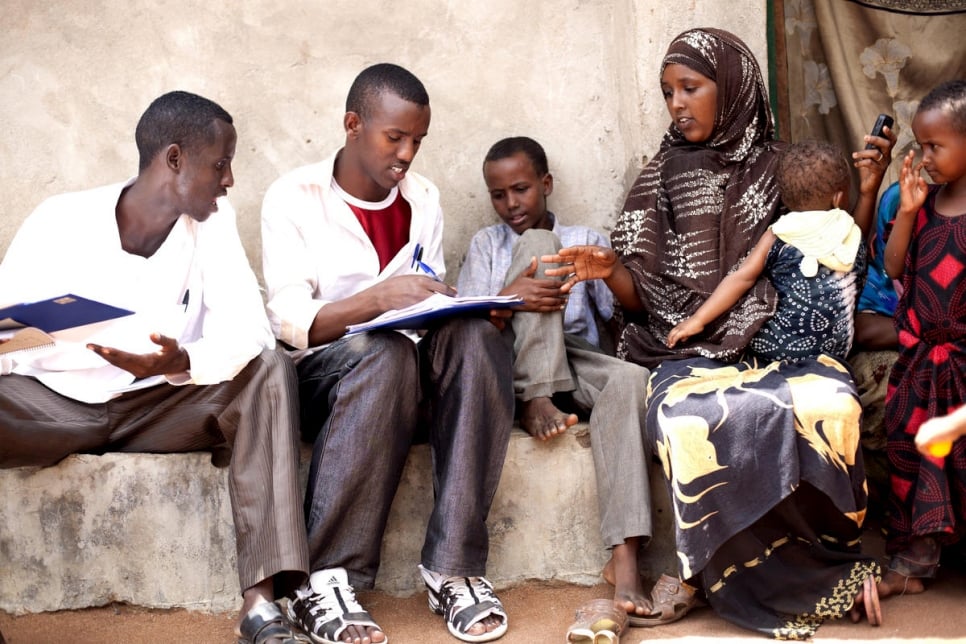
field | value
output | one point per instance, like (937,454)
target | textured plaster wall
(93,530)
(580,76)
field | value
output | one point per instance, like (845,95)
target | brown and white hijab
(696,210)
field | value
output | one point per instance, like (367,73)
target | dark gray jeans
(362,398)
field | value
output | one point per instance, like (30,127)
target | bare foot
(541,419)
(621,572)
(252,597)
(356,634)
(919,558)
(855,613)
(894,583)
(486,625)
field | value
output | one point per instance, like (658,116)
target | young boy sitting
(814,256)
(557,359)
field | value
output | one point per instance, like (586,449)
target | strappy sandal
(266,624)
(463,602)
(671,599)
(325,606)
(599,621)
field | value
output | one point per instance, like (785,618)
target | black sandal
(265,624)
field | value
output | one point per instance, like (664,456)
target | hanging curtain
(839,63)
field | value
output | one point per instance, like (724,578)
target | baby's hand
(684,330)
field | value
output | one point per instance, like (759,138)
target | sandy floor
(539,613)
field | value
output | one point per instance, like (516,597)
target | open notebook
(422,314)
(26,340)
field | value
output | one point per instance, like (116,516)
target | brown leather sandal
(869,606)
(870,597)
(599,621)
(671,599)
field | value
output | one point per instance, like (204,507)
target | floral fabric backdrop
(840,63)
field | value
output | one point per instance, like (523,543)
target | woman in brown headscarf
(762,459)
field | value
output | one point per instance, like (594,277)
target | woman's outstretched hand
(580,263)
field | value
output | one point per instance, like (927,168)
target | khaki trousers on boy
(548,361)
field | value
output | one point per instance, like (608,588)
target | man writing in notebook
(164,245)
(338,241)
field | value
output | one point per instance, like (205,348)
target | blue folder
(58,313)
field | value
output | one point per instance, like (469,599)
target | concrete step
(156,530)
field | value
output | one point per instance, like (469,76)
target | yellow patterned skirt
(768,487)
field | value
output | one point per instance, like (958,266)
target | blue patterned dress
(814,314)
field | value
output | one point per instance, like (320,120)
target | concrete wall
(93,530)
(580,76)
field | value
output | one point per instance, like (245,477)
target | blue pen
(419,264)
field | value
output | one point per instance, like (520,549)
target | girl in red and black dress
(927,249)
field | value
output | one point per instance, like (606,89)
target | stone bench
(156,530)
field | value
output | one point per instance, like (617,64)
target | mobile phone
(883,120)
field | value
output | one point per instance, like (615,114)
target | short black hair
(950,97)
(383,77)
(177,117)
(508,147)
(809,171)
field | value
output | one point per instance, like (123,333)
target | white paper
(437,302)
(73,370)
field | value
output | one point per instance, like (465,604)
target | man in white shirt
(194,369)
(343,241)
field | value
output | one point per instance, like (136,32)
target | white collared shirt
(197,287)
(315,251)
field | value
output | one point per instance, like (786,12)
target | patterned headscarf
(696,210)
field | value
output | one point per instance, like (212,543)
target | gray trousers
(252,418)
(362,399)
(549,361)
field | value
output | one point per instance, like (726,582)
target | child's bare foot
(894,583)
(908,567)
(541,419)
(621,572)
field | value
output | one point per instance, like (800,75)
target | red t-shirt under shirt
(385,222)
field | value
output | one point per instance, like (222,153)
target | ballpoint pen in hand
(420,265)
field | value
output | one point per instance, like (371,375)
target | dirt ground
(539,613)
(405,620)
